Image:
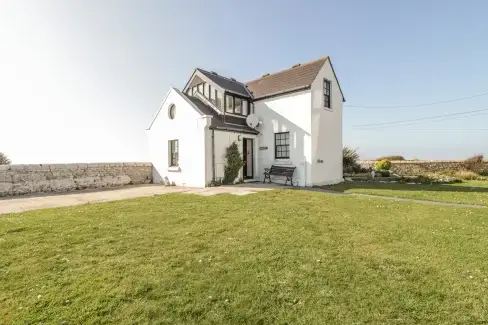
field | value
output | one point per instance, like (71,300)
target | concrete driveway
(43,201)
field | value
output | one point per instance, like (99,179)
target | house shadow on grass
(343,187)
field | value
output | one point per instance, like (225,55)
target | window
(218,95)
(200,88)
(173,153)
(237,105)
(229,104)
(245,110)
(213,94)
(326,93)
(205,90)
(194,90)
(282,145)
(171,111)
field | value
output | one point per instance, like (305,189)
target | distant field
(469,192)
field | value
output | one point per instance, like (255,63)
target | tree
(349,159)
(4,159)
(234,164)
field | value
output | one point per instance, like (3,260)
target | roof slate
(235,87)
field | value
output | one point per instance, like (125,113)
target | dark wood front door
(248,156)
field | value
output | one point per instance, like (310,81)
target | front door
(247,153)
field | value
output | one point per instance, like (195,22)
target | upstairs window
(219,100)
(173,153)
(238,106)
(245,110)
(282,145)
(326,93)
(229,104)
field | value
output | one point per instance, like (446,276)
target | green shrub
(384,164)
(391,158)
(468,175)
(234,164)
(349,160)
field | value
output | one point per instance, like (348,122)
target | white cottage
(300,124)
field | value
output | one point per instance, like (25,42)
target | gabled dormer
(226,95)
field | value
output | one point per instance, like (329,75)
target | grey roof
(231,123)
(235,87)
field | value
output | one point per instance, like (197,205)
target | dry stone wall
(25,179)
(418,167)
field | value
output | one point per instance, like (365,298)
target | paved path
(43,201)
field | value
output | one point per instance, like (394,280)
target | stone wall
(24,179)
(418,167)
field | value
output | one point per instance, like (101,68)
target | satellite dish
(253,121)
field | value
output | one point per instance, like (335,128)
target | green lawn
(277,257)
(471,192)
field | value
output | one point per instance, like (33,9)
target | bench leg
(267,177)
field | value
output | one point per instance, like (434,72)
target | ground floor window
(173,153)
(282,145)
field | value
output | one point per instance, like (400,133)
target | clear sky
(80,81)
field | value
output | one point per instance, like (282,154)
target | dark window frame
(174,150)
(282,148)
(233,97)
(327,91)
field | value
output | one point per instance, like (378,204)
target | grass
(277,257)
(467,192)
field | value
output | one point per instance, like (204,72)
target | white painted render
(188,127)
(291,113)
(326,130)
(223,140)
(315,138)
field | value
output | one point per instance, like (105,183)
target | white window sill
(328,109)
(174,169)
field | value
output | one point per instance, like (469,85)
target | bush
(4,159)
(467,175)
(474,163)
(391,158)
(234,164)
(349,160)
(384,164)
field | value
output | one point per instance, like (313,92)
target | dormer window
(236,105)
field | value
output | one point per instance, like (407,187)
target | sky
(80,81)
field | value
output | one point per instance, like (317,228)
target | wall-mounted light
(238,138)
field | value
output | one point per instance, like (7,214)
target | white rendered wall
(291,113)
(326,130)
(188,127)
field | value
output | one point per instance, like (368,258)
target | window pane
(205,89)
(200,88)
(245,110)
(229,104)
(219,99)
(238,105)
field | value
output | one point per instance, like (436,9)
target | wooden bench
(286,171)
